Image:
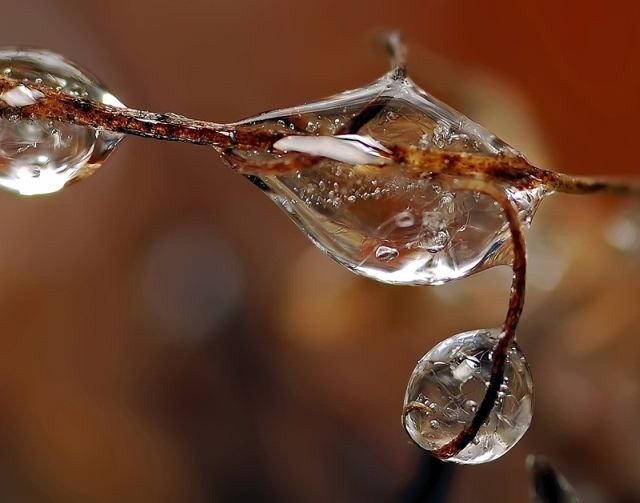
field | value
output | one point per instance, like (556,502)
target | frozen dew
(450,382)
(40,156)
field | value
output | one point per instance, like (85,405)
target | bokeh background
(167,335)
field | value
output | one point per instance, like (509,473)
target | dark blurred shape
(431,483)
(547,484)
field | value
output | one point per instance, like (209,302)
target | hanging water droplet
(464,232)
(40,156)
(454,375)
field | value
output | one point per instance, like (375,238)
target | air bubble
(386,253)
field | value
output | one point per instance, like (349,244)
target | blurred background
(168,335)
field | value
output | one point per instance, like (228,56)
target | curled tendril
(514,310)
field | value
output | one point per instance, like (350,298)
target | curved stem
(516,303)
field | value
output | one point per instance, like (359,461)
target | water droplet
(434,424)
(376,197)
(386,253)
(455,372)
(40,156)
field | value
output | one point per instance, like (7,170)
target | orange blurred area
(168,335)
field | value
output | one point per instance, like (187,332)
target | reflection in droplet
(454,376)
(39,156)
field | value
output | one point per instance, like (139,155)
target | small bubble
(425,141)
(312,126)
(434,424)
(404,219)
(438,242)
(470,406)
(386,253)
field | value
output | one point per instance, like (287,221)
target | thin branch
(580,185)
(58,106)
(508,169)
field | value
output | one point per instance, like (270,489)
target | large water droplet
(454,377)
(440,234)
(41,156)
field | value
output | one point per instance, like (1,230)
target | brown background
(166,333)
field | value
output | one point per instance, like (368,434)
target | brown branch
(579,185)
(58,106)
(516,303)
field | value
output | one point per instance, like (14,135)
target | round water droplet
(453,375)
(40,156)
(386,253)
